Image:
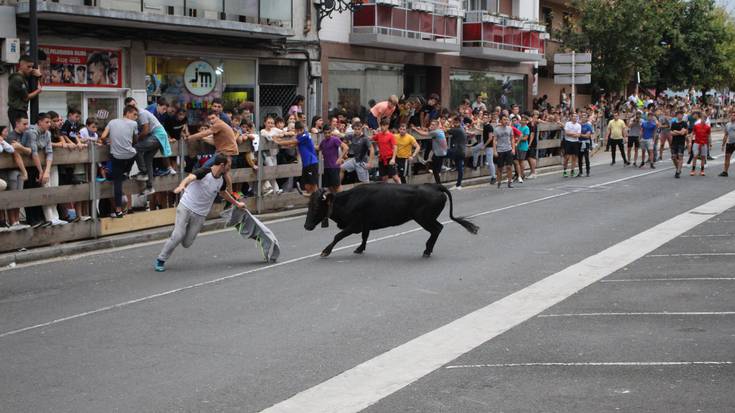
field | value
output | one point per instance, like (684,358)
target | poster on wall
(81,67)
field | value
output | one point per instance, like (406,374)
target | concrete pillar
(137,66)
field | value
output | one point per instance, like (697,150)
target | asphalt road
(222,332)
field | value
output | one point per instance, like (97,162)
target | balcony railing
(431,20)
(484,30)
(265,12)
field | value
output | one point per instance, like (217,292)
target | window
(502,89)
(548,18)
(355,87)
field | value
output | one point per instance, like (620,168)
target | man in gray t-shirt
(504,150)
(728,143)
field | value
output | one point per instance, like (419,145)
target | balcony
(502,38)
(263,19)
(424,26)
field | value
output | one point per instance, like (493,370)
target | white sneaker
(149,191)
(458,188)
(279,192)
(520,180)
(172,171)
(58,222)
(141,177)
(18,226)
(532,176)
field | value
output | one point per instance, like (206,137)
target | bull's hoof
(359,250)
(325,254)
(427,254)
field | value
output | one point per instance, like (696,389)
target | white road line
(651,313)
(709,236)
(639,280)
(369,382)
(600,364)
(694,254)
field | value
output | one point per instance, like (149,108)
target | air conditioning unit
(423,6)
(123,5)
(10,51)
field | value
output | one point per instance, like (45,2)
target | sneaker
(565,174)
(18,226)
(38,224)
(159,266)
(279,192)
(160,172)
(520,180)
(58,222)
(141,177)
(677,175)
(612,163)
(710,158)
(692,173)
(642,165)
(458,187)
(100,179)
(532,176)
(627,163)
(653,166)
(510,184)
(724,174)
(149,191)
(85,218)
(172,171)
(493,180)
(588,174)
(701,173)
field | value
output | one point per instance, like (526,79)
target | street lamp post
(33,26)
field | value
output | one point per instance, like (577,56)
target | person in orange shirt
(382,110)
(700,146)
(387,148)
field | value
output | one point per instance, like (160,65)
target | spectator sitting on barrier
(317,124)
(13,137)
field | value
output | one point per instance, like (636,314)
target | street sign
(567,79)
(578,58)
(566,69)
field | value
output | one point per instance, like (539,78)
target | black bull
(375,206)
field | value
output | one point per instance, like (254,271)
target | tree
(622,35)
(674,44)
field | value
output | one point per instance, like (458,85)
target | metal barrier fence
(92,193)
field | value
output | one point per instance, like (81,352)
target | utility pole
(33,83)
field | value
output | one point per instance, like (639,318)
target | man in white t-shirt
(200,190)
(572,132)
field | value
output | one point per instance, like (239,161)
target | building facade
(457,49)
(253,54)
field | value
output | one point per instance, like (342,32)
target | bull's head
(320,207)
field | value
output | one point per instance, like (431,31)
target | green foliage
(672,43)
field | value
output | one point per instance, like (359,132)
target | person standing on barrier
(362,154)
(122,134)
(200,189)
(585,144)
(616,134)
(438,148)
(224,140)
(407,150)
(728,143)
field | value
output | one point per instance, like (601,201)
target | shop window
(501,89)
(355,87)
(59,102)
(192,83)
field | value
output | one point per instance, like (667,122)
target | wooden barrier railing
(92,191)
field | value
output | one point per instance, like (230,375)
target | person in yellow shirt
(407,149)
(617,132)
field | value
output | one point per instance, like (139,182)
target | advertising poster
(81,67)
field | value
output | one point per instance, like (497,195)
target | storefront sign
(81,67)
(200,78)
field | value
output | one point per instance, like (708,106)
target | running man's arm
(229,198)
(395,151)
(189,179)
(416,149)
(345,149)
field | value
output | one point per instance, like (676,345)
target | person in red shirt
(387,147)
(700,146)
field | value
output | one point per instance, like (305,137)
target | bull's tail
(469,226)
